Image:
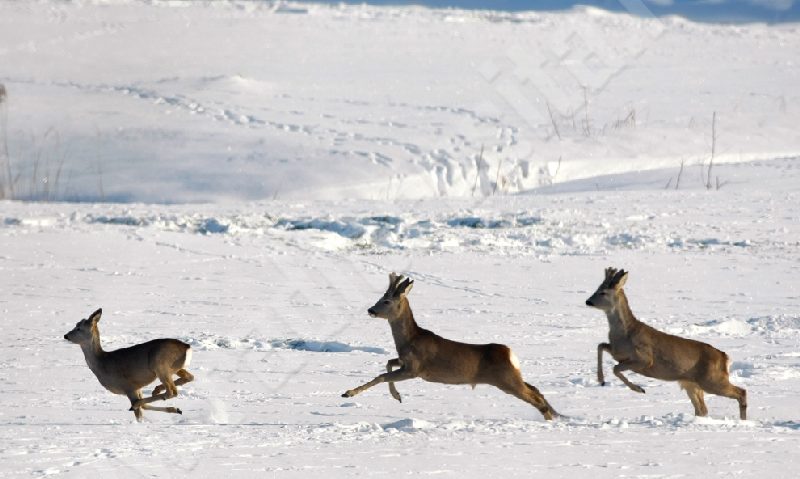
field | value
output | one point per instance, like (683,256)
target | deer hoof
(639,389)
(347,394)
(602,383)
(178,410)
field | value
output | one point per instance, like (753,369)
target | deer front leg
(170,409)
(392,377)
(393,390)
(134,397)
(600,348)
(630,365)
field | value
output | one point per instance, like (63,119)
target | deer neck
(93,352)
(621,319)
(404,328)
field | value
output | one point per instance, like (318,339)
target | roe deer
(640,348)
(127,370)
(423,354)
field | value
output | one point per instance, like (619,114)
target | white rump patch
(514,361)
(188,359)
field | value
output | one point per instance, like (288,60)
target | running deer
(423,354)
(127,370)
(637,347)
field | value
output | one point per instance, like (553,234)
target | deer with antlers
(423,354)
(128,370)
(698,367)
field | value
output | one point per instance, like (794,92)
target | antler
(398,284)
(394,280)
(610,272)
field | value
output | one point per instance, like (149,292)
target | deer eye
(386,301)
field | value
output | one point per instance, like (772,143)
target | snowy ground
(277,317)
(322,139)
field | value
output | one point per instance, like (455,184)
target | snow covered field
(277,317)
(306,150)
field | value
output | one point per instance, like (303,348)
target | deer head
(605,296)
(85,329)
(390,304)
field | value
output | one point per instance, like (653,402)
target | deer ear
(95,317)
(405,287)
(621,281)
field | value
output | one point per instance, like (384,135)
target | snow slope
(212,101)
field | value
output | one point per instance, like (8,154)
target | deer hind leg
(518,388)
(394,376)
(393,390)
(695,393)
(728,390)
(600,348)
(142,403)
(537,399)
(156,397)
(184,377)
(170,391)
(742,399)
